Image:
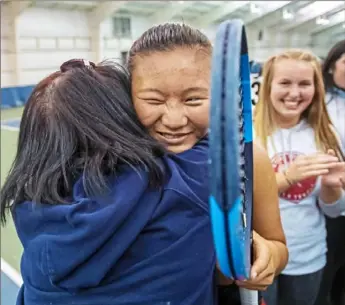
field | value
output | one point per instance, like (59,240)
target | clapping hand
(320,164)
(335,177)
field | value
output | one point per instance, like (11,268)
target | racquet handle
(249,297)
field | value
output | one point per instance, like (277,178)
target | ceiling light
(322,21)
(254,8)
(287,15)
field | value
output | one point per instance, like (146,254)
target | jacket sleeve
(334,209)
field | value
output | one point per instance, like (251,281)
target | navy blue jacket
(135,246)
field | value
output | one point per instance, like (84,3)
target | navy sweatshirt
(134,246)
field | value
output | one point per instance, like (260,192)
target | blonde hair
(316,114)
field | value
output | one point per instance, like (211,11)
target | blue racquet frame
(231,151)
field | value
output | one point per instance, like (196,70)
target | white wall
(113,46)
(46,39)
(49,37)
(6,57)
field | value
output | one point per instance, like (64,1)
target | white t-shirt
(302,213)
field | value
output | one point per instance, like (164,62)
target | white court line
(5,126)
(14,276)
(10,128)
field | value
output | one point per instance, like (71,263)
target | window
(122,27)
(124,57)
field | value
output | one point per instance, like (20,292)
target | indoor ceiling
(315,17)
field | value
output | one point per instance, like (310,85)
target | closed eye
(307,83)
(153,101)
(195,100)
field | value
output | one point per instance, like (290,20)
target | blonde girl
(292,124)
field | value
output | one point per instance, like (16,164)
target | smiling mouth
(173,137)
(292,104)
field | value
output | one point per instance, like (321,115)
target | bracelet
(290,183)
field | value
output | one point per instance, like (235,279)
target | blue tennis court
(10,284)
(10,246)
(9,290)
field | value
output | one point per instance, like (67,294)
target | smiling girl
(293,125)
(170,66)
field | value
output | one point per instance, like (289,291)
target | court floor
(10,283)
(9,290)
(10,246)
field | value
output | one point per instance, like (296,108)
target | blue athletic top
(135,246)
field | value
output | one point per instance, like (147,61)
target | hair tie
(75,64)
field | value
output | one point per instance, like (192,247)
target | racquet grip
(249,297)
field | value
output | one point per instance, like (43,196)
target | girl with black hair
(333,71)
(104,214)
(332,290)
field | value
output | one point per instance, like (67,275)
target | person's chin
(177,145)
(176,149)
(288,112)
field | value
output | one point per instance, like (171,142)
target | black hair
(79,122)
(333,55)
(167,37)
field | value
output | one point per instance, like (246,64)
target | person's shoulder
(192,162)
(189,174)
(262,161)
(334,95)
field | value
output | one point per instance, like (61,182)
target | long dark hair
(79,122)
(333,55)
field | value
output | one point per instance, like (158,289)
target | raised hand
(306,166)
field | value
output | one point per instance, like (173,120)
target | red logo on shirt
(298,191)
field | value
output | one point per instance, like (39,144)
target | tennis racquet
(231,155)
